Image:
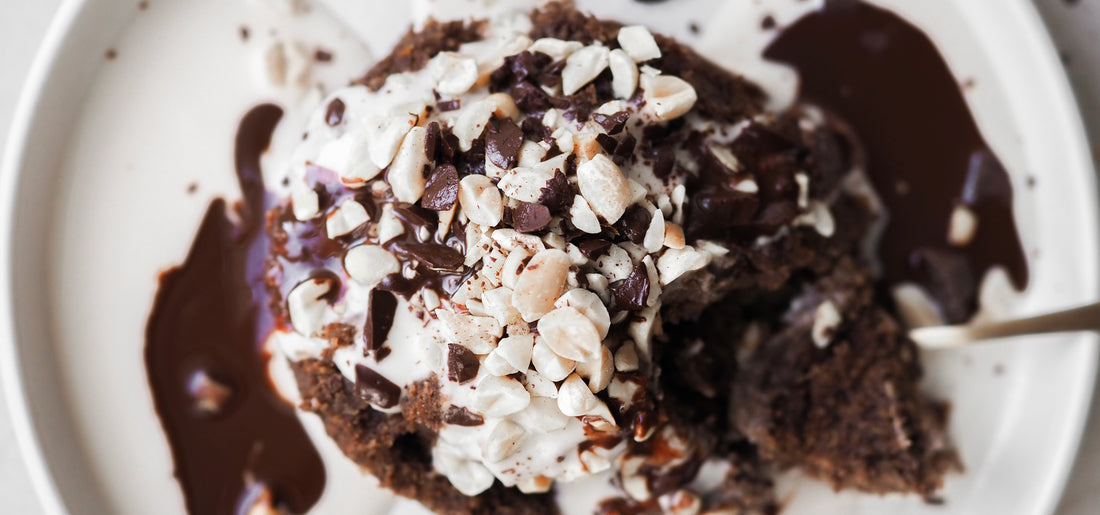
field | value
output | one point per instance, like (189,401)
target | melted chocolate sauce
(207,326)
(887,79)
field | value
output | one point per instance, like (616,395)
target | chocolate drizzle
(208,318)
(887,79)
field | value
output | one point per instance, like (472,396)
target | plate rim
(12,378)
(44,67)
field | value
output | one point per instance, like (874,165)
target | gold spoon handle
(1085,318)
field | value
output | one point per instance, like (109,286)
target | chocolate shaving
(593,249)
(530,98)
(375,389)
(631,293)
(608,143)
(462,364)
(986,179)
(612,123)
(462,417)
(502,143)
(441,191)
(625,149)
(558,193)
(432,254)
(634,223)
(471,162)
(534,130)
(334,113)
(527,217)
(381,309)
(453,104)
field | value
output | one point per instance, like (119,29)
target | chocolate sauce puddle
(888,80)
(231,435)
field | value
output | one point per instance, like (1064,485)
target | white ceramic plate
(95,204)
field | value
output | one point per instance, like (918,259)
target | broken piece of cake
(545,248)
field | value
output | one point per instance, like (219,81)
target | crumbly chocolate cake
(536,250)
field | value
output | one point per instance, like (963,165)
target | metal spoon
(1085,318)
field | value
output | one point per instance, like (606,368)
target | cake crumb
(111,54)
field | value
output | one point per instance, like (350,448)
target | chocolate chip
(593,249)
(375,389)
(462,364)
(441,191)
(986,179)
(612,123)
(631,293)
(380,311)
(502,143)
(432,254)
(334,113)
(444,106)
(558,193)
(527,217)
(462,417)
(608,143)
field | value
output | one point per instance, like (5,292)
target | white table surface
(1075,25)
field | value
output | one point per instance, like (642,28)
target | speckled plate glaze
(98,199)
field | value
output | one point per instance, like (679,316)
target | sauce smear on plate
(234,440)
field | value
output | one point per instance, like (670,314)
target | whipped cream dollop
(482,225)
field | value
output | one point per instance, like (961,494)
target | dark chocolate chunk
(715,211)
(986,179)
(664,160)
(581,104)
(441,191)
(631,293)
(471,162)
(757,141)
(462,364)
(432,254)
(949,277)
(593,249)
(558,193)
(530,98)
(608,143)
(502,143)
(415,217)
(334,113)
(448,105)
(625,149)
(527,217)
(534,130)
(612,123)
(634,223)
(381,309)
(375,389)
(462,417)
